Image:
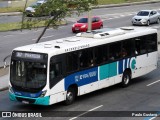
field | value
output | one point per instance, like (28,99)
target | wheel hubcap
(126,79)
(69,96)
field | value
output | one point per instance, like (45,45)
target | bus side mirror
(136,53)
(5,64)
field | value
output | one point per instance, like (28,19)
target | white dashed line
(153,83)
(86,112)
(7,35)
(43,37)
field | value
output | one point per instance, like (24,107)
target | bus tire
(126,79)
(70,96)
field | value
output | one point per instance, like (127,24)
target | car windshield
(143,13)
(35,4)
(83,20)
(28,75)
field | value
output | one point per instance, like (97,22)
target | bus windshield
(30,76)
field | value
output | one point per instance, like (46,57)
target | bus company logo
(6,114)
(133,63)
(77,78)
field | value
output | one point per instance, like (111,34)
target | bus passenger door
(56,82)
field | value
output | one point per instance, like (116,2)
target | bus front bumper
(28,100)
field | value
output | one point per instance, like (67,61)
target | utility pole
(89,20)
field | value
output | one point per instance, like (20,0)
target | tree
(55,11)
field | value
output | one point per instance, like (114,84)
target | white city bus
(59,70)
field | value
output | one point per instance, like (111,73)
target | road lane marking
(7,35)
(23,33)
(153,83)
(152,118)
(86,112)
(44,37)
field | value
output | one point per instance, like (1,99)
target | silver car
(31,9)
(146,17)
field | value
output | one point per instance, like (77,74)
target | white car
(146,17)
(31,9)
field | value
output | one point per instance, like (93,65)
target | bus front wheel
(126,79)
(70,96)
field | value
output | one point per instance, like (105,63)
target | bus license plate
(25,102)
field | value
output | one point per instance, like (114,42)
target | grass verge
(17,25)
(13,7)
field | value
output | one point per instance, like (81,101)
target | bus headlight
(43,93)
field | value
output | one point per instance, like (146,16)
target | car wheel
(158,20)
(74,31)
(148,23)
(101,27)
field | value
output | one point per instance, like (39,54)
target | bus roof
(86,40)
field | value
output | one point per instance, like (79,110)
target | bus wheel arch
(126,78)
(71,94)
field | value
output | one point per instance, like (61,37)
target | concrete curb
(3,89)
(96,7)
(11,14)
(4,71)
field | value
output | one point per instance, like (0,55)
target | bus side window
(127,48)
(90,58)
(86,58)
(151,43)
(137,46)
(71,62)
(82,59)
(114,51)
(101,54)
(140,45)
(55,70)
(52,74)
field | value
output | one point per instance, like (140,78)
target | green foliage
(54,11)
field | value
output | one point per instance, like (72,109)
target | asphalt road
(112,17)
(140,96)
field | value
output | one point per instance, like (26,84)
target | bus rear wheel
(126,79)
(70,96)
